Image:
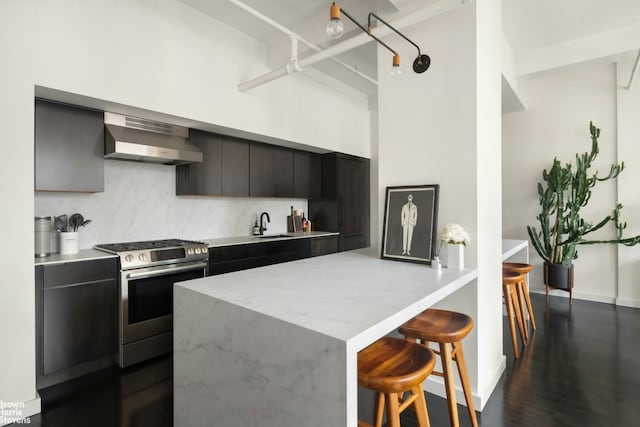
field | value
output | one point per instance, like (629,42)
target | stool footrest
(408,401)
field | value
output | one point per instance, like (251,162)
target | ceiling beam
(601,45)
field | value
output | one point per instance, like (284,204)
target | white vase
(69,242)
(455,256)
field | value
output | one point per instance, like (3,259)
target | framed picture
(410,223)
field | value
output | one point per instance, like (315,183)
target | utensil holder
(69,242)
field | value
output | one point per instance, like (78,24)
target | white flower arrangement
(454,233)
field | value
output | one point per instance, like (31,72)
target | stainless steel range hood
(133,138)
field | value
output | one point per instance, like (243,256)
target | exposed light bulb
(335,28)
(396,70)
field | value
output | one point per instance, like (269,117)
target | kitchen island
(277,346)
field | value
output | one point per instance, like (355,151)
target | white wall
(628,107)
(139,202)
(556,124)
(440,128)
(160,56)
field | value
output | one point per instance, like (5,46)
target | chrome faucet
(263,228)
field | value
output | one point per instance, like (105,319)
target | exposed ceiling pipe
(293,65)
(356,41)
(634,71)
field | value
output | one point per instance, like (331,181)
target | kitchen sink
(273,236)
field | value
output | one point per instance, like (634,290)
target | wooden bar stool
(391,367)
(510,281)
(447,328)
(523,290)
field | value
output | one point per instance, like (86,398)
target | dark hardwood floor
(581,368)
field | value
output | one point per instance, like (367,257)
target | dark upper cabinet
(224,170)
(307,175)
(76,317)
(235,167)
(69,148)
(344,205)
(270,171)
(260,167)
(202,178)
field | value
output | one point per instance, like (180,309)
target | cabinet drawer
(352,241)
(79,272)
(236,252)
(324,245)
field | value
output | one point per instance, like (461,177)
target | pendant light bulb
(396,70)
(335,27)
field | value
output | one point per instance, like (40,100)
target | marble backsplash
(139,202)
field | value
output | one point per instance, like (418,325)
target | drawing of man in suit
(409,217)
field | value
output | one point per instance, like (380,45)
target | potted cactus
(562,228)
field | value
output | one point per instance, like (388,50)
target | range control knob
(197,250)
(128,258)
(190,251)
(142,257)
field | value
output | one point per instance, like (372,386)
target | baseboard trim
(435,385)
(491,384)
(576,295)
(18,412)
(628,302)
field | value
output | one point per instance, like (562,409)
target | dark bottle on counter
(256,229)
(304,223)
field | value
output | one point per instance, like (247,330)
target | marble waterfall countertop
(277,346)
(353,296)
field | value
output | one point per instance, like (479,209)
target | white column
(443,127)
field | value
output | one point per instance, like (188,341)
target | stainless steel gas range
(148,271)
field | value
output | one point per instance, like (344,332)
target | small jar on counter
(42,236)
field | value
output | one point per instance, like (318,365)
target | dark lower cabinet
(344,206)
(225,259)
(324,245)
(76,319)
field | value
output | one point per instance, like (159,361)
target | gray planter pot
(558,276)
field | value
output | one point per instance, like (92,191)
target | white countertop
(83,255)
(351,296)
(243,240)
(92,254)
(512,246)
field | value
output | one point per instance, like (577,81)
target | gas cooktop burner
(156,252)
(149,244)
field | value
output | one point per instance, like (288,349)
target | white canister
(42,236)
(69,242)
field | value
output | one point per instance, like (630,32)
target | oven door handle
(166,271)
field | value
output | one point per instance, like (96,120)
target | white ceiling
(527,25)
(308,18)
(533,24)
